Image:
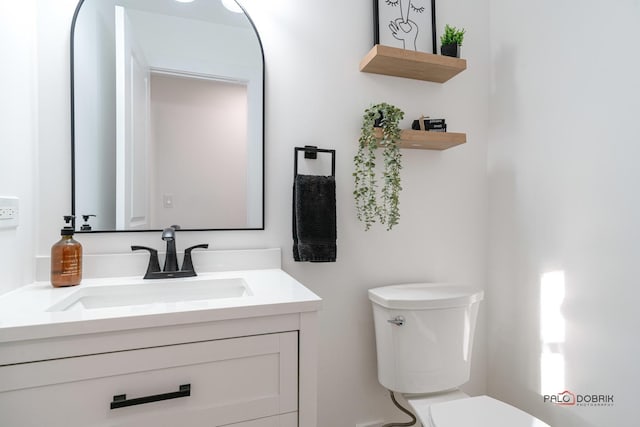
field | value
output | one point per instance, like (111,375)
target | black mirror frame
(73,139)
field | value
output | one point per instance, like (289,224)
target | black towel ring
(311,152)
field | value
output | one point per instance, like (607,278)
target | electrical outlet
(9,212)
(371,424)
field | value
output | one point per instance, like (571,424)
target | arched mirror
(167,116)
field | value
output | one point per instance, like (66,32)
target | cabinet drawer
(230,381)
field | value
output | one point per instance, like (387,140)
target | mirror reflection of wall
(199,131)
(168,116)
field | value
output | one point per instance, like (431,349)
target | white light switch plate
(9,212)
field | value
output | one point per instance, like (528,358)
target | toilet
(424,341)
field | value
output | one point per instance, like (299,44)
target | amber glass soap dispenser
(66,258)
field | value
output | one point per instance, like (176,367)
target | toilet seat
(480,411)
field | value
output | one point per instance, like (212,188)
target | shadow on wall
(527,342)
(504,89)
(524,305)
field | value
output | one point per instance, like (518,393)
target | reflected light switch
(167,200)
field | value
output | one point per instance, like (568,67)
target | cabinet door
(230,381)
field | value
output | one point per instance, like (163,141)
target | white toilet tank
(424,335)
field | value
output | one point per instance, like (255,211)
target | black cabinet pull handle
(120,400)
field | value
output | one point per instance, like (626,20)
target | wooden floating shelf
(423,140)
(392,61)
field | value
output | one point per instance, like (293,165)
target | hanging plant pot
(450,49)
(374,205)
(377,123)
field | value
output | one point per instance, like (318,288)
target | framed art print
(405,24)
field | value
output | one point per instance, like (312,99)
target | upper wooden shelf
(392,61)
(423,140)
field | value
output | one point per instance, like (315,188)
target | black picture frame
(393,26)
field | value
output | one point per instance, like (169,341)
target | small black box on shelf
(437,125)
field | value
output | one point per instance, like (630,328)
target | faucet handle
(154,264)
(187,264)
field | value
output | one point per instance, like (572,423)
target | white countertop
(24,312)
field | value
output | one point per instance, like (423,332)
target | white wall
(563,169)
(316,95)
(18,138)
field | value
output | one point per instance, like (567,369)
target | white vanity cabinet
(223,382)
(248,360)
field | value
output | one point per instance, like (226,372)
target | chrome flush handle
(398,320)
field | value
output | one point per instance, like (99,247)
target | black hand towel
(314,218)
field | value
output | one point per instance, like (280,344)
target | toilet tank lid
(480,411)
(412,296)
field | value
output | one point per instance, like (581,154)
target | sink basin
(156,292)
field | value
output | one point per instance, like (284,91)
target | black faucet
(170,269)
(171,260)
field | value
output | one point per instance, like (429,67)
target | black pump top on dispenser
(86,226)
(68,229)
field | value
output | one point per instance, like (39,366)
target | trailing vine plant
(369,208)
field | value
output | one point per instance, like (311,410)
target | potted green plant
(370,205)
(451,40)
